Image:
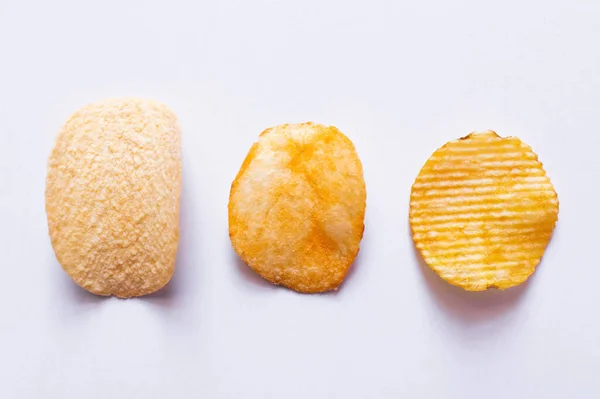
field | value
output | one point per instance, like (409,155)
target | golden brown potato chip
(482,211)
(112,196)
(297,206)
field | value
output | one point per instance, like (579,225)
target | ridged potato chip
(297,206)
(112,196)
(482,211)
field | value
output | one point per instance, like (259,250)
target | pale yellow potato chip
(112,196)
(482,211)
(297,206)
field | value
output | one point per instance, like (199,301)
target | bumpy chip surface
(112,196)
(482,211)
(297,206)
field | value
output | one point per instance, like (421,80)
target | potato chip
(112,196)
(297,206)
(482,211)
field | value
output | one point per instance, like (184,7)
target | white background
(400,78)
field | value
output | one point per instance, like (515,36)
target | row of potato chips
(482,209)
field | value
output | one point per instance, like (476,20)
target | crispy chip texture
(112,196)
(482,211)
(297,206)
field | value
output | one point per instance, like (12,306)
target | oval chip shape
(112,196)
(482,211)
(297,206)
